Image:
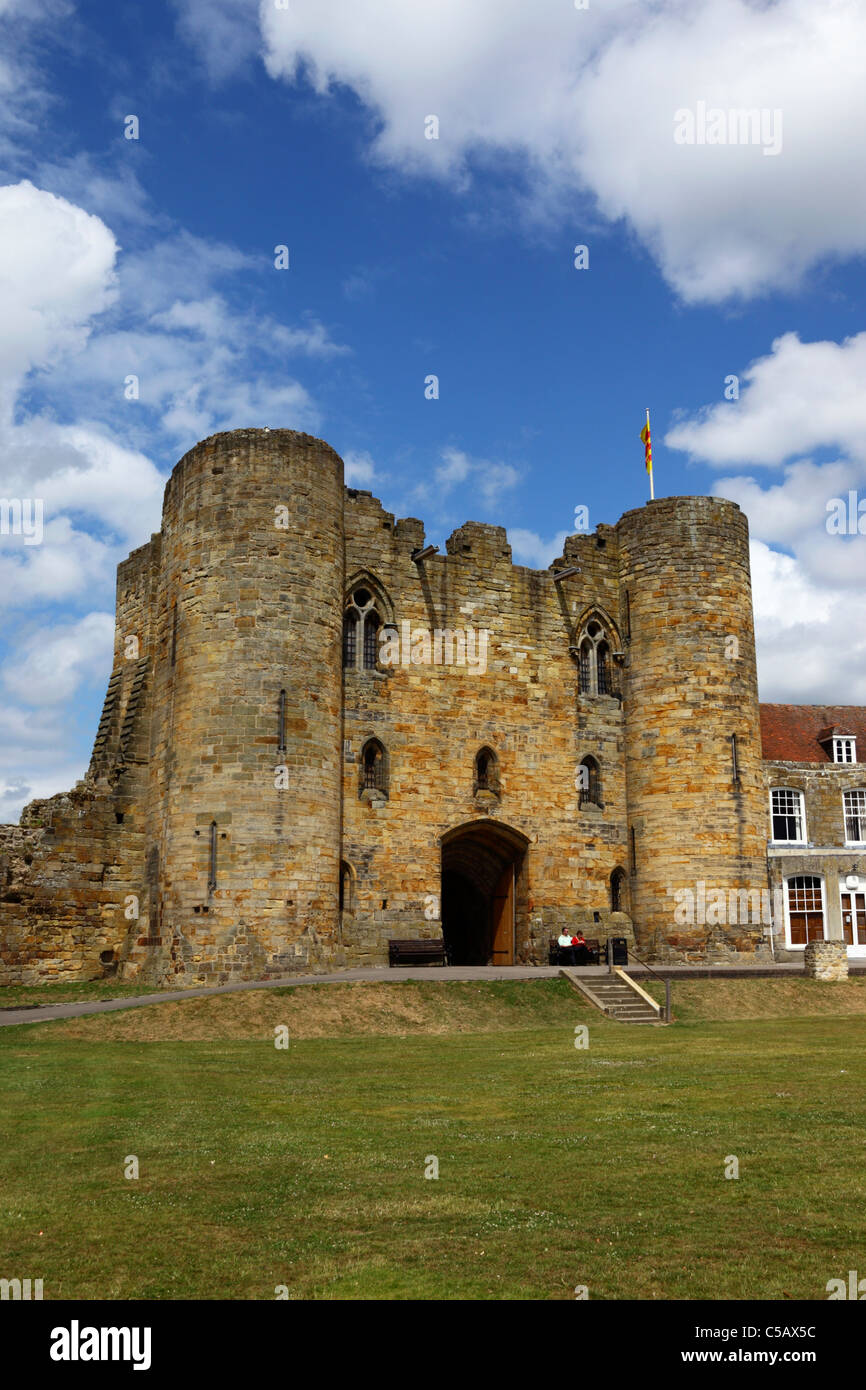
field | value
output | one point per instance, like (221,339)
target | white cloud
(811,649)
(24,93)
(528,548)
(56,274)
(224,32)
(800,397)
(583,103)
(359,469)
(17,789)
(31,761)
(491,479)
(52,663)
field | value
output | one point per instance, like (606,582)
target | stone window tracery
(362,623)
(595,675)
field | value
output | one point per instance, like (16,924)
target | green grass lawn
(558,1166)
(14,996)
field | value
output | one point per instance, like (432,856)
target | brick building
(320,733)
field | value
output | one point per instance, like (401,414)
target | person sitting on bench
(579,948)
(566,952)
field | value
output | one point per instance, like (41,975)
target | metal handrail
(665,981)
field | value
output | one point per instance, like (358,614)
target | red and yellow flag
(647,444)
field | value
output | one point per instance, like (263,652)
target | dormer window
(839,743)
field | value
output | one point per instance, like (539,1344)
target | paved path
(40,1013)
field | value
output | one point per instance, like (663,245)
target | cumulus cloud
(490,479)
(56,274)
(359,469)
(801,397)
(581,105)
(528,548)
(96,348)
(52,663)
(809,651)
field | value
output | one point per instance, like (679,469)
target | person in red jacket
(579,947)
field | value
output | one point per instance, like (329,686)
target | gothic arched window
(347,887)
(617,891)
(595,676)
(486,771)
(374,768)
(362,626)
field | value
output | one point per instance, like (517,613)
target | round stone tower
(244,834)
(696,805)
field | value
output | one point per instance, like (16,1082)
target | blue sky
(304,126)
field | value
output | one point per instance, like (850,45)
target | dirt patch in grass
(331,1011)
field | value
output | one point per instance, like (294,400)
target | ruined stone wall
(70,874)
(691,683)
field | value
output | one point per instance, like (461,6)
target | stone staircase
(616,996)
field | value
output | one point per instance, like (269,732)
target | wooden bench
(417,952)
(593,952)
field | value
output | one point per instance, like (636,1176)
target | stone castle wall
(225,802)
(434,719)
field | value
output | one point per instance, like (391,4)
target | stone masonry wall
(691,683)
(225,802)
(433,719)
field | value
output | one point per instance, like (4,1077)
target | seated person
(566,953)
(580,948)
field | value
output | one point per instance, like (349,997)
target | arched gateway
(484,893)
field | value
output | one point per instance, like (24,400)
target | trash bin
(617,947)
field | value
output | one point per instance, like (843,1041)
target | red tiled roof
(790,733)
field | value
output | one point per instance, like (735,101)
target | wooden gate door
(502,934)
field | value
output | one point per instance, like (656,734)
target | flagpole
(652,485)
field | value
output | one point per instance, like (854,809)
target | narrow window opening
(371,643)
(590,783)
(281,723)
(212,879)
(373,768)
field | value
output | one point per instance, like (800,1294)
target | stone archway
(483,893)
